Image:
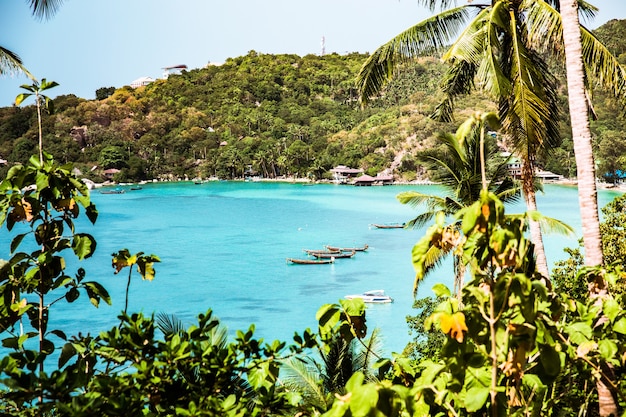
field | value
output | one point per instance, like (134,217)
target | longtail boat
(311,261)
(340,249)
(322,251)
(333,255)
(388,225)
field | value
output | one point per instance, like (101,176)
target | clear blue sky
(90,44)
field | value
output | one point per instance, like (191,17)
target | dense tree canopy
(269,115)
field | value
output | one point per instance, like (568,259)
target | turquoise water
(223,246)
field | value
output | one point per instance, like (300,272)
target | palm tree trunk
(581,132)
(535,228)
(587,192)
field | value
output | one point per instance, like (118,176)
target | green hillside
(267,115)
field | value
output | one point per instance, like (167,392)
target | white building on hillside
(141,82)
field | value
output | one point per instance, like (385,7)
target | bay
(223,246)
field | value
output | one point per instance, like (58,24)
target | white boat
(372,296)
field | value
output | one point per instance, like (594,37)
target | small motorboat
(372,296)
(310,261)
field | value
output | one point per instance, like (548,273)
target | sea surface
(223,246)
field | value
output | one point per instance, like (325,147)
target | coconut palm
(581,133)
(10,62)
(319,380)
(498,51)
(457,165)
(44,9)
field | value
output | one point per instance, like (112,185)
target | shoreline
(296,180)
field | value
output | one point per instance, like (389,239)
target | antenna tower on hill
(323,45)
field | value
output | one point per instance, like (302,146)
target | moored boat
(388,225)
(311,261)
(334,255)
(340,249)
(372,296)
(115,191)
(322,251)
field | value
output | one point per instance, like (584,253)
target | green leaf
(620,326)
(59,333)
(96,291)
(16,241)
(67,352)
(83,245)
(145,265)
(354,307)
(441,290)
(550,360)
(476,398)
(608,349)
(47,347)
(364,400)
(579,332)
(611,308)
(72,295)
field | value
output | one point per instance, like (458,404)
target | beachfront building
(343,174)
(379,179)
(364,180)
(514,166)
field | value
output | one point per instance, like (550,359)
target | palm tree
(319,380)
(457,165)
(581,133)
(36,89)
(10,62)
(44,9)
(499,51)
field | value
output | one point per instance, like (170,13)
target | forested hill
(260,114)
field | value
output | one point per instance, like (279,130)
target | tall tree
(36,89)
(457,165)
(500,50)
(587,193)
(493,53)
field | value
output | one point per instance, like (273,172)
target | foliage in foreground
(512,344)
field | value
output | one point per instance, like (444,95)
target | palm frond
(44,9)
(11,63)
(490,75)
(432,5)
(587,10)
(546,29)
(368,354)
(420,220)
(458,80)
(433,258)
(416,199)
(303,378)
(530,112)
(425,37)
(603,66)
(549,224)
(169,324)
